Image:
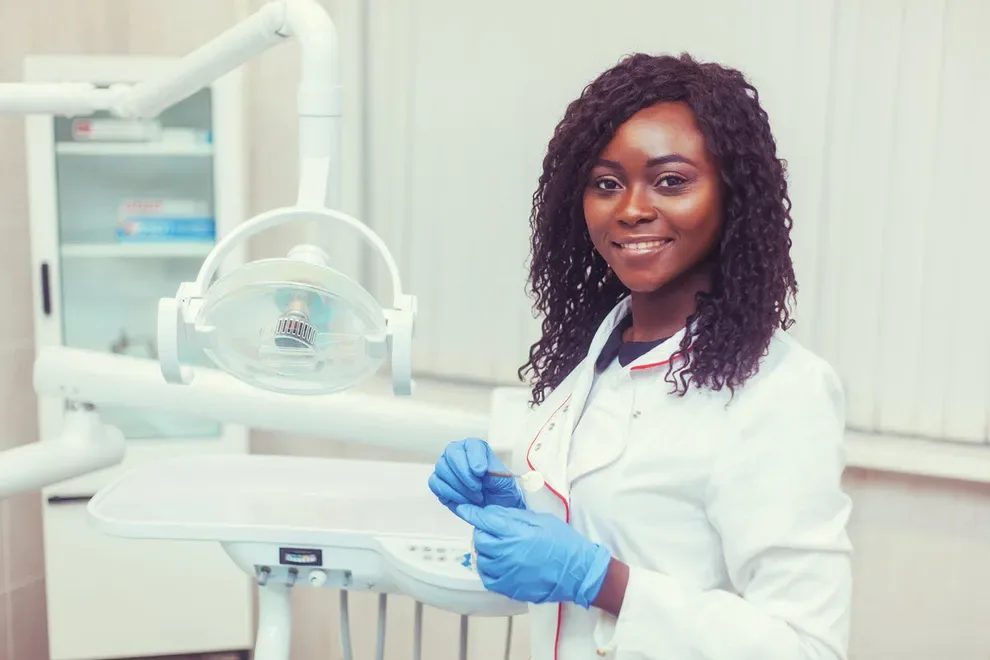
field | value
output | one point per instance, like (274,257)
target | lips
(641,245)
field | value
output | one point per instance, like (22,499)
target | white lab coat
(731,518)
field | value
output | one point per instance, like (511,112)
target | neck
(662,313)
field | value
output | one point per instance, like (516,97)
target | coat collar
(550,445)
(659,356)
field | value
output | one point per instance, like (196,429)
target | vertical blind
(880,107)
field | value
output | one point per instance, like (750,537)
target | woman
(691,449)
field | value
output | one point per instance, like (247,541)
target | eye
(671,181)
(607,183)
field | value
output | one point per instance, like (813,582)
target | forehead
(659,130)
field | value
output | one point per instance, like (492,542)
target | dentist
(691,449)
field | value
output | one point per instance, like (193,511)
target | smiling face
(652,202)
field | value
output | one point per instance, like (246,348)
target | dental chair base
(302,521)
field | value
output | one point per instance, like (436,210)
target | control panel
(442,573)
(440,556)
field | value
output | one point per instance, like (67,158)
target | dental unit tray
(344,524)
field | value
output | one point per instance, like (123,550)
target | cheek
(596,217)
(696,218)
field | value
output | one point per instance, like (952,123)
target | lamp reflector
(292,326)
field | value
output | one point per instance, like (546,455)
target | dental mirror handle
(531,482)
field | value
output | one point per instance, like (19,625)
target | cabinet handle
(46,291)
(69,499)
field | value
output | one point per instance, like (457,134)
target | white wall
(901,309)
(480,104)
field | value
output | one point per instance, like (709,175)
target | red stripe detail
(654,365)
(567,517)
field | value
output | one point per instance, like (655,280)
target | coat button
(636,414)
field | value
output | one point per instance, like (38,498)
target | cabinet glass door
(135,219)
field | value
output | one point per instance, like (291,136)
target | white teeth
(642,246)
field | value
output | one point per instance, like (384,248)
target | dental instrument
(287,336)
(530,482)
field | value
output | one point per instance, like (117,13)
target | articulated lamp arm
(318,100)
(87,445)
(269,26)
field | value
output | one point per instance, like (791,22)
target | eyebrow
(653,162)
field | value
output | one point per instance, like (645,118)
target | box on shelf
(136,130)
(165,220)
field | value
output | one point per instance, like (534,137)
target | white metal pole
(349,416)
(274,622)
(85,445)
(60,99)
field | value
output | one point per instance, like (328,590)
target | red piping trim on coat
(654,365)
(567,517)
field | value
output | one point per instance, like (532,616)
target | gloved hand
(461,477)
(535,557)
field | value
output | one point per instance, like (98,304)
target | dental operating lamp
(274,328)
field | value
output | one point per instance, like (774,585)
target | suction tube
(345,626)
(464,638)
(418,631)
(382,620)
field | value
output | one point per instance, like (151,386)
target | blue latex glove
(535,557)
(460,477)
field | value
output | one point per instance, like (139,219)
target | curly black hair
(753,279)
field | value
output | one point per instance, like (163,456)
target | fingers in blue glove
(495,520)
(448,496)
(479,456)
(455,469)
(453,479)
(461,476)
(535,557)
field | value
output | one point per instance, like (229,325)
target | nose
(635,207)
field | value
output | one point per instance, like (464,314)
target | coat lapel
(549,448)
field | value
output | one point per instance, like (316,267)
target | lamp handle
(280,216)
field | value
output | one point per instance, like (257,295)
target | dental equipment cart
(299,521)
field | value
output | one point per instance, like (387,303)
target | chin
(640,284)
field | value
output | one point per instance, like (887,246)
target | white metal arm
(319,98)
(145,99)
(319,94)
(121,380)
(95,379)
(85,444)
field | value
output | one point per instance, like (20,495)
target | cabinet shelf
(133,149)
(135,250)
